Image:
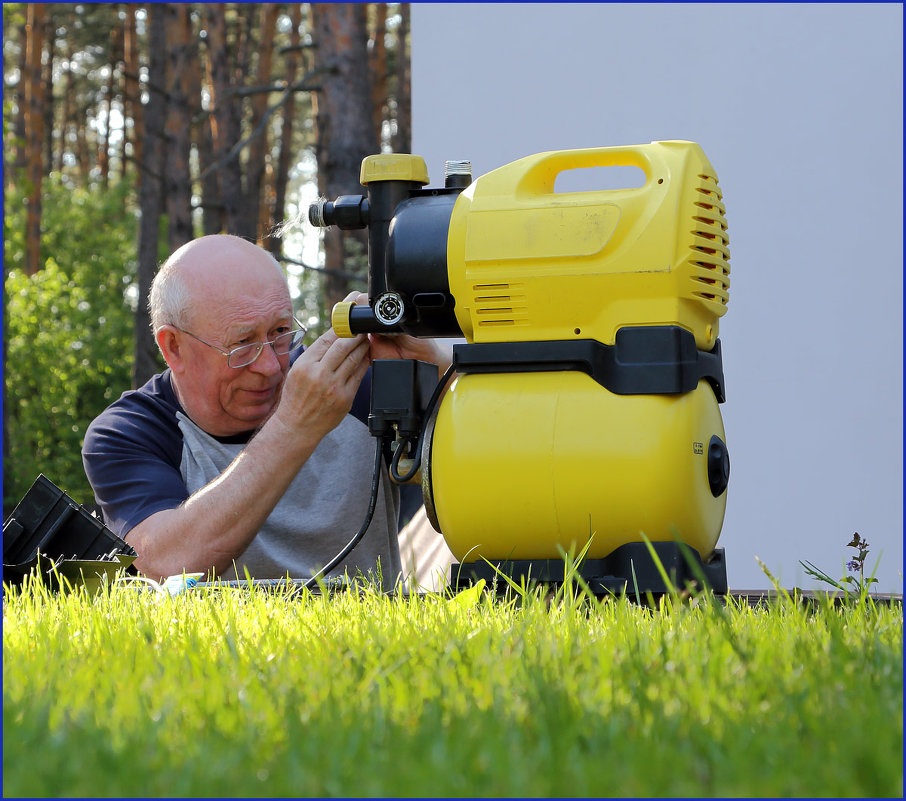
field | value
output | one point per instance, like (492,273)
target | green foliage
(248,693)
(68,331)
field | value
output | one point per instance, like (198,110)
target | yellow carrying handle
(539,179)
(536,175)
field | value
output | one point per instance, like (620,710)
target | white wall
(799,109)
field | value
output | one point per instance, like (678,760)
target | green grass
(246,693)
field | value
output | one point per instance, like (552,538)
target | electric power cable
(417,459)
(376,477)
(372,503)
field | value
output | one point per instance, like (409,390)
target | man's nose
(267,362)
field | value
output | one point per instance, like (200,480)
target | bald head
(219,271)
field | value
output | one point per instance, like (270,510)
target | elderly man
(245,456)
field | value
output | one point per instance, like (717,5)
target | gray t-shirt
(323,508)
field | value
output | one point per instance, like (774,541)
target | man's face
(224,400)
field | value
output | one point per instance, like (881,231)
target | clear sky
(799,108)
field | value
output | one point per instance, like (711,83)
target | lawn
(225,692)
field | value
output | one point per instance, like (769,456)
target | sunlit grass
(249,693)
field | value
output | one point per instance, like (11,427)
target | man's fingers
(356,297)
(361,368)
(343,350)
(331,349)
(317,349)
(347,359)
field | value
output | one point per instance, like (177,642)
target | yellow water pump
(584,411)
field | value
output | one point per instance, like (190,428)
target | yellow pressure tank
(521,464)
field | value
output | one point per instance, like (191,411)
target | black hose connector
(347,212)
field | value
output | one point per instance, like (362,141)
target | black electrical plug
(400,391)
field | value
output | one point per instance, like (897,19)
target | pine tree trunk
(378,68)
(275,243)
(178,127)
(211,204)
(19,162)
(34,134)
(132,99)
(145,362)
(345,126)
(258,149)
(47,85)
(66,111)
(225,125)
(77,121)
(401,142)
(83,155)
(122,29)
(104,147)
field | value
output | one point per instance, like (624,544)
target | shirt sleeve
(132,455)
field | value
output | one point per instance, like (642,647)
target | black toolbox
(52,536)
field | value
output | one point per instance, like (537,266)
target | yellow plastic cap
(394,167)
(339,319)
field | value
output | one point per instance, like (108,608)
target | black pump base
(629,569)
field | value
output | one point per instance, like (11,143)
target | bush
(68,331)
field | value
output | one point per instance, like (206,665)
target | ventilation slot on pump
(710,244)
(499,304)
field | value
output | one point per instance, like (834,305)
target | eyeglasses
(244,355)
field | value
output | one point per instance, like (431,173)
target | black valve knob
(718,465)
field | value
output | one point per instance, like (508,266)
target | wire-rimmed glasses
(245,355)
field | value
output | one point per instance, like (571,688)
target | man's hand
(322,383)
(404,346)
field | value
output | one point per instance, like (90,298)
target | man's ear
(168,340)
